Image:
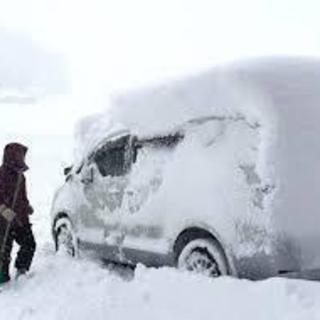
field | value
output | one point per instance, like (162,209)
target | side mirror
(87,176)
(67,170)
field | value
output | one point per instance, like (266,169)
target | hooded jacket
(13,166)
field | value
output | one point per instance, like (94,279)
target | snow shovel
(7,216)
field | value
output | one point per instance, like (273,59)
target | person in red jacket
(13,195)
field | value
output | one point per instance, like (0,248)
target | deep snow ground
(63,288)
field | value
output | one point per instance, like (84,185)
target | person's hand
(7,213)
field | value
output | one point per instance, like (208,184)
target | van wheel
(203,256)
(65,239)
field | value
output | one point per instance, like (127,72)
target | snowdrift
(59,290)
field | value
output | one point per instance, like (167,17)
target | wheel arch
(192,233)
(65,218)
(60,215)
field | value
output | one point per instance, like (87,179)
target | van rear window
(169,141)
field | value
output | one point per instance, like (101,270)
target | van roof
(267,85)
(261,90)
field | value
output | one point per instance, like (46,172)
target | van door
(104,182)
(142,229)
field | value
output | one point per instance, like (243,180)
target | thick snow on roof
(261,89)
(249,87)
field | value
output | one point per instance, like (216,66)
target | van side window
(111,158)
(168,142)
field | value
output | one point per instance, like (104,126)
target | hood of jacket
(14,157)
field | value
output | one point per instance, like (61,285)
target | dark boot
(4,274)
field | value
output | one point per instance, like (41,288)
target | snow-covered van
(218,173)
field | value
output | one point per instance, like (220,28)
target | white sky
(114,44)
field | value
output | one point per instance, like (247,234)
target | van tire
(65,239)
(203,256)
